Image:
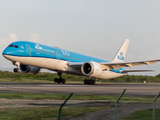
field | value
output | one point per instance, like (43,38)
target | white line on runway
(65,85)
(73,87)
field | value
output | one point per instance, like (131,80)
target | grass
(143,115)
(43,96)
(25,80)
(34,113)
(67,81)
(32,96)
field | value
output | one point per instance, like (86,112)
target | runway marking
(91,88)
(65,85)
(136,89)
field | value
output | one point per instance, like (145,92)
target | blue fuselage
(31,49)
(56,59)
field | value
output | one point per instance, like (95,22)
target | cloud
(35,38)
(129,57)
(7,40)
(13,37)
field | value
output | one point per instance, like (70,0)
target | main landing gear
(60,80)
(89,82)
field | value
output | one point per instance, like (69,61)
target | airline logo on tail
(120,57)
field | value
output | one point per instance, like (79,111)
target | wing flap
(75,64)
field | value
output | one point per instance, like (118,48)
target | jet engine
(29,69)
(92,69)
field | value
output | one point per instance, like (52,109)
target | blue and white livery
(30,57)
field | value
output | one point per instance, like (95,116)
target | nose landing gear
(16,70)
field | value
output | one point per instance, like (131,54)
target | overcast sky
(93,27)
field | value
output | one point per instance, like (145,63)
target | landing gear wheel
(16,70)
(89,82)
(59,80)
(55,80)
(63,81)
(93,82)
(85,81)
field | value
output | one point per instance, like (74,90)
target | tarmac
(124,109)
(79,88)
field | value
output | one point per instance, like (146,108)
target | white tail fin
(120,56)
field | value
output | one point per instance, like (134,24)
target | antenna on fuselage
(57,47)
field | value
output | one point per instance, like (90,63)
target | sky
(93,27)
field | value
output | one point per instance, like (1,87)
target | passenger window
(10,46)
(16,46)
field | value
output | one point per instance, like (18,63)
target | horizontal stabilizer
(136,71)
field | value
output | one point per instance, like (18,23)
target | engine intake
(87,68)
(29,69)
(92,69)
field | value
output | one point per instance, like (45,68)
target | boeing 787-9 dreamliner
(30,57)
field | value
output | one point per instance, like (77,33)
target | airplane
(30,57)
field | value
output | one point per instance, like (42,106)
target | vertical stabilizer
(120,56)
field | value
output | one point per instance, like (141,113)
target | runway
(77,88)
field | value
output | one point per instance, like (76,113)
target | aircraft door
(28,49)
(57,55)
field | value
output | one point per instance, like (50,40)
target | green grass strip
(41,113)
(42,96)
(143,115)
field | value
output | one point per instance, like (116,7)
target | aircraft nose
(5,52)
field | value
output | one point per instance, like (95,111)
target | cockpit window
(10,46)
(16,46)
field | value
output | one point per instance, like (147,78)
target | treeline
(51,76)
(39,76)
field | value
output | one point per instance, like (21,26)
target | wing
(117,65)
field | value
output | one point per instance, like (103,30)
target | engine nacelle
(29,69)
(92,69)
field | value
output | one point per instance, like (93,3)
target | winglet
(120,56)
